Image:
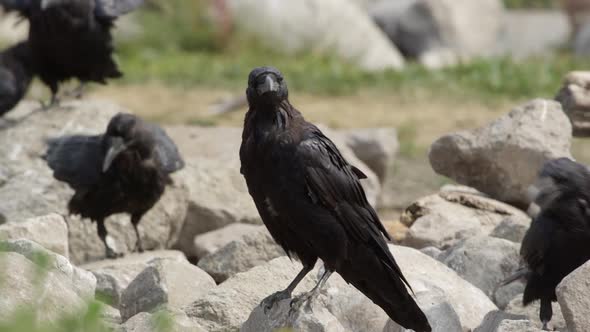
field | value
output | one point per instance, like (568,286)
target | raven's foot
(546,326)
(270,301)
(302,300)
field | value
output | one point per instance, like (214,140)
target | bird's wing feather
(20,6)
(115,8)
(166,150)
(76,159)
(334,183)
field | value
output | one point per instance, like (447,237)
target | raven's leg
(545,313)
(135,219)
(102,233)
(77,92)
(54,101)
(270,301)
(312,294)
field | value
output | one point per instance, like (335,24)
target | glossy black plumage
(72,38)
(558,240)
(124,170)
(312,202)
(16,74)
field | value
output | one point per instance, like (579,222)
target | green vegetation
(530,3)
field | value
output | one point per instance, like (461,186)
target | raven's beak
(269,85)
(117,146)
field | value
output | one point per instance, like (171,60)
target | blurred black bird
(124,170)
(558,239)
(16,74)
(312,202)
(71,38)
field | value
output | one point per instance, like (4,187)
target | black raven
(16,74)
(312,202)
(557,241)
(124,170)
(71,38)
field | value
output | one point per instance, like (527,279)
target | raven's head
(266,86)
(127,135)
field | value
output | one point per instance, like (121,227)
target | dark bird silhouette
(124,170)
(16,74)
(312,202)
(557,241)
(72,38)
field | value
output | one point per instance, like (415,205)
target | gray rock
(82,282)
(444,219)
(113,276)
(338,27)
(574,97)
(517,326)
(110,315)
(30,189)
(503,158)
(493,320)
(50,231)
(227,306)
(210,242)
(50,294)
(253,249)
(483,261)
(532,313)
(433,252)
(438,310)
(512,228)
(164,283)
(375,147)
(582,40)
(573,294)
(164,320)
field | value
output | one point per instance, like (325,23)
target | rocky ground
(210,261)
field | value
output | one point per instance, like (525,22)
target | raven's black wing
(8,90)
(334,183)
(115,8)
(76,160)
(166,151)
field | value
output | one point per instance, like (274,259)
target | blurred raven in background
(124,170)
(558,240)
(16,73)
(312,202)
(71,38)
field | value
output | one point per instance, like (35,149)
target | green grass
(530,3)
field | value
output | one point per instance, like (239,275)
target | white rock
(337,27)
(517,326)
(532,313)
(493,320)
(444,219)
(169,321)
(503,158)
(252,249)
(164,283)
(574,97)
(484,261)
(113,276)
(210,242)
(573,294)
(50,231)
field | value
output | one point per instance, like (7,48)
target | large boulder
(164,283)
(248,251)
(494,319)
(484,261)
(337,27)
(441,220)
(503,158)
(113,276)
(445,29)
(163,320)
(573,294)
(29,189)
(574,97)
(41,281)
(50,231)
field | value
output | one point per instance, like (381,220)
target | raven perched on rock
(312,202)
(16,74)
(558,239)
(124,170)
(71,38)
